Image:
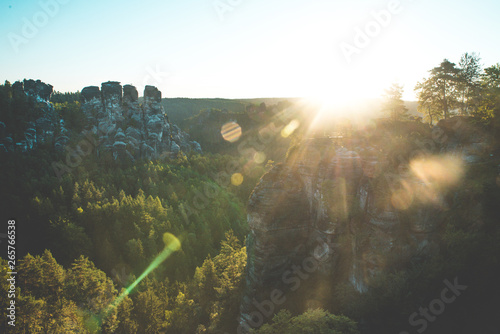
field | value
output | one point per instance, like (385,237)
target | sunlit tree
(442,87)
(312,321)
(428,103)
(469,84)
(490,99)
(394,105)
(149,311)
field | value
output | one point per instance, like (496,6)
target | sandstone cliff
(130,129)
(342,211)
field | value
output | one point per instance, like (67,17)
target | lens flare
(171,241)
(259,157)
(290,128)
(430,178)
(438,171)
(237,179)
(172,244)
(402,199)
(231,132)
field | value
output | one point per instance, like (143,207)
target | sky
(334,50)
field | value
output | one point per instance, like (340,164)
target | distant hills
(179,109)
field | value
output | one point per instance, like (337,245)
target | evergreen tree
(469,76)
(312,321)
(394,105)
(442,87)
(149,311)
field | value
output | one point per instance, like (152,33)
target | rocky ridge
(123,126)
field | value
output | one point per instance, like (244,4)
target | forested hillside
(88,231)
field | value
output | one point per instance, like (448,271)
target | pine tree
(394,105)
(469,76)
(441,88)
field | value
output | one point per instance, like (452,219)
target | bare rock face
(330,214)
(130,102)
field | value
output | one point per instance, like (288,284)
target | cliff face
(123,126)
(344,212)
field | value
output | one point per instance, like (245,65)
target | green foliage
(51,299)
(113,217)
(469,83)
(311,322)
(468,89)
(260,131)
(71,114)
(180,318)
(219,283)
(489,103)
(149,311)
(440,90)
(68,97)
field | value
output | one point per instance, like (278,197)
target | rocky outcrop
(113,113)
(130,130)
(38,89)
(344,212)
(41,126)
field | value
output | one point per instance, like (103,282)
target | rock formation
(113,113)
(343,212)
(42,126)
(128,129)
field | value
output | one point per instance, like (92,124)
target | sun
(332,92)
(331,99)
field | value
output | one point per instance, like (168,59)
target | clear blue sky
(257,48)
